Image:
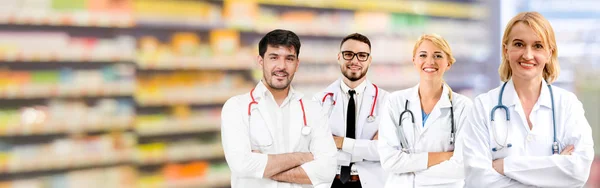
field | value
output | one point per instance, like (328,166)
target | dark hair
(358,37)
(279,37)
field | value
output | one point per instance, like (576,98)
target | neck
(353,84)
(278,94)
(528,90)
(430,90)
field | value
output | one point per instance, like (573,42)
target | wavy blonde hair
(544,30)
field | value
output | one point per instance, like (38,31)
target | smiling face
(279,66)
(526,52)
(431,61)
(354,59)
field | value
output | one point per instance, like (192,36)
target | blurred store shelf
(172,125)
(100,124)
(199,63)
(66,91)
(159,153)
(191,96)
(428,8)
(92,160)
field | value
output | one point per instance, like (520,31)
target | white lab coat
(365,154)
(529,162)
(238,141)
(410,169)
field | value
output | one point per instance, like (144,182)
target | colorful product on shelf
(185,150)
(190,87)
(68,153)
(59,46)
(114,177)
(87,13)
(187,50)
(67,117)
(181,121)
(194,174)
(109,81)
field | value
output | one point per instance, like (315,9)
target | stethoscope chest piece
(371,118)
(305,130)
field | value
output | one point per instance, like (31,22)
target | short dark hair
(279,37)
(358,37)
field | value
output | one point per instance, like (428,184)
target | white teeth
(527,64)
(429,70)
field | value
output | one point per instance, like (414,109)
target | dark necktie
(350,126)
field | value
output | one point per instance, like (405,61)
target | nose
(354,59)
(528,54)
(280,64)
(429,61)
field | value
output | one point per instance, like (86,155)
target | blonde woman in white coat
(538,136)
(420,132)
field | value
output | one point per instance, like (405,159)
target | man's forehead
(354,45)
(281,50)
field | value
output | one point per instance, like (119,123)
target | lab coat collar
(334,88)
(511,98)
(444,101)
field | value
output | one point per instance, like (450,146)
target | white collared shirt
(348,144)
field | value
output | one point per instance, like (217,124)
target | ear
(260,61)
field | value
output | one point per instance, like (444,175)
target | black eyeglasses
(349,55)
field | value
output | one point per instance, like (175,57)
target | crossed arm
(286,167)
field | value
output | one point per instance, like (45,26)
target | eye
(518,44)
(423,55)
(538,46)
(348,55)
(273,57)
(438,56)
(363,55)
(291,58)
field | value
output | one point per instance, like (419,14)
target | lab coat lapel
(264,112)
(365,108)
(514,101)
(337,124)
(443,102)
(296,123)
(414,105)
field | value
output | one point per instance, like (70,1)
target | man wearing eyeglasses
(353,104)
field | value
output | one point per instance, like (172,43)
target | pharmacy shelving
(176,63)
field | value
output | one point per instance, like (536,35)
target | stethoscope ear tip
(509,145)
(494,149)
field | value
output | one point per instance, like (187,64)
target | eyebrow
(436,52)
(519,40)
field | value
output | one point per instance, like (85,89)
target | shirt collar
(359,89)
(511,98)
(261,91)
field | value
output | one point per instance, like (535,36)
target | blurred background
(128,93)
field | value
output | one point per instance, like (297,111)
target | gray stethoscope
(305,129)
(555,147)
(404,142)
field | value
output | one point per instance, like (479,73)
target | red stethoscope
(305,129)
(371,117)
